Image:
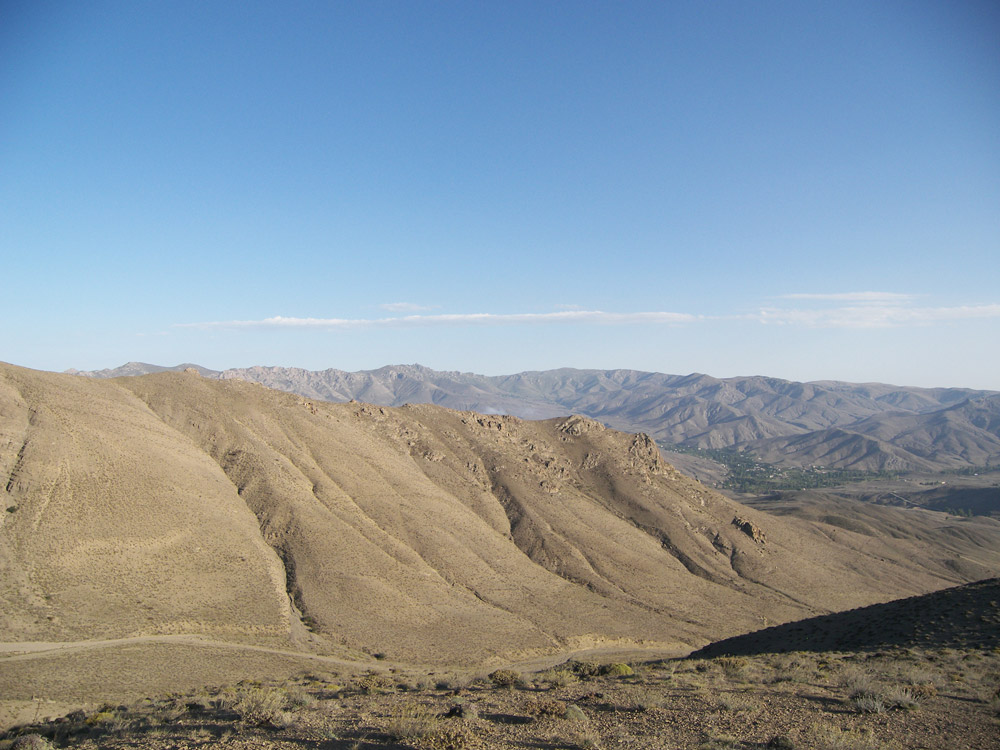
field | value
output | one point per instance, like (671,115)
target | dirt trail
(20,651)
(26,650)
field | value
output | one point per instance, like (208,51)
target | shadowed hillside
(964,617)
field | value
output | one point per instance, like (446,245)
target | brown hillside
(170,503)
(115,526)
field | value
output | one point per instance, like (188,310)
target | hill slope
(963,617)
(172,503)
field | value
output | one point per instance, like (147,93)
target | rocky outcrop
(749,528)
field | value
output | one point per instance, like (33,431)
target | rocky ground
(903,699)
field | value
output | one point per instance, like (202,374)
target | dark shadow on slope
(966,617)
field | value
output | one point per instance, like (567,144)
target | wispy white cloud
(564,316)
(404,307)
(861,297)
(875,315)
(869,310)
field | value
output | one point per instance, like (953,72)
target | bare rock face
(644,457)
(749,528)
(577,425)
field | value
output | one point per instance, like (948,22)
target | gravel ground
(830,701)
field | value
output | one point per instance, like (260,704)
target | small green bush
(617,670)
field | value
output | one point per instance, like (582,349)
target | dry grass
(263,706)
(411,721)
(832,738)
(737,702)
(684,705)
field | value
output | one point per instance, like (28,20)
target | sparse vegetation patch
(677,705)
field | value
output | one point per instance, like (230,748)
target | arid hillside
(175,504)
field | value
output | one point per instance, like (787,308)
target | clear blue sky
(796,189)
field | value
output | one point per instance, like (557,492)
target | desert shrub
(412,721)
(446,738)
(917,675)
(505,678)
(585,669)
(584,737)
(832,738)
(858,681)
(868,703)
(780,742)
(557,678)
(640,698)
(462,709)
(31,742)
(732,666)
(574,713)
(617,669)
(735,702)
(575,736)
(299,697)
(714,741)
(901,698)
(262,706)
(373,683)
(547,707)
(665,669)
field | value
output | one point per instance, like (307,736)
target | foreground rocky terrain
(913,694)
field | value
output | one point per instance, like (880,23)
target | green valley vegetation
(748,475)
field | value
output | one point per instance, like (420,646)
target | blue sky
(795,189)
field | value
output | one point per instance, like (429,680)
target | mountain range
(864,427)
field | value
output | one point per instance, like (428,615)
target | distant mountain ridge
(860,426)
